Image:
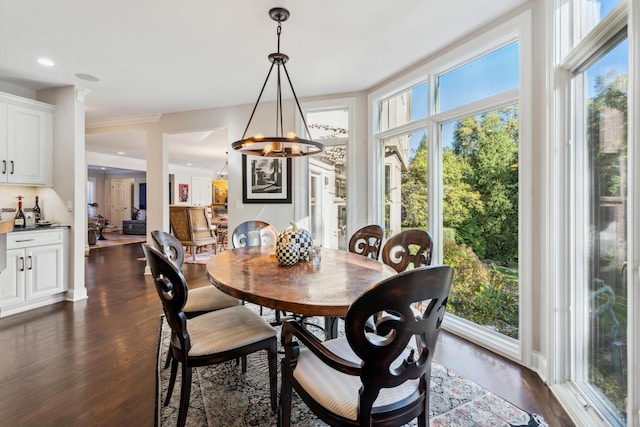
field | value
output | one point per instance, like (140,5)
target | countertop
(39,228)
(6,227)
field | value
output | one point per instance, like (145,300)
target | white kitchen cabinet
(26,141)
(36,273)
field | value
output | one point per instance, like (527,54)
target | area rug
(116,239)
(222,396)
(201,257)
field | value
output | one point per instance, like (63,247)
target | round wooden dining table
(327,289)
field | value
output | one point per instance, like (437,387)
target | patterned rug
(117,239)
(201,257)
(222,396)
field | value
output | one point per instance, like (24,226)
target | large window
(480,217)
(450,164)
(328,176)
(604,294)
(596,66)
(601,275)
(480,157)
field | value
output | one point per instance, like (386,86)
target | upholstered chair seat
(209,298)
(338,392)
(225,330)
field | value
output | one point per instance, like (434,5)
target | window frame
(301,170)
(566,123)
(517,28)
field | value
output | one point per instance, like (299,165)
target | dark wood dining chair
(268,237)
(241,237)
(376,377)
(406,249)
(214,337)
(366,241)
(202,299)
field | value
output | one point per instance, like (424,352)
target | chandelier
(280,145)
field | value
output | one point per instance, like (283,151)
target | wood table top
(328,289)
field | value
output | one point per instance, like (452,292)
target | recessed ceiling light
(103,169)
(46,62)
(121,152)
(87,77)
(189,164)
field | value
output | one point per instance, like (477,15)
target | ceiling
(162,56)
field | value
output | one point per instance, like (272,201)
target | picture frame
(183,192)
(266,179)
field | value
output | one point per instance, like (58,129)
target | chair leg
(423,418)
(172,380)
(169,357)
(284,410)
(185,393)
(273,374)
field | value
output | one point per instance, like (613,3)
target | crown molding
(123,121)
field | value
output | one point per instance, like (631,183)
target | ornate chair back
(409,309)
(172,290)
(241,235)
(410,247)
(169,245)
(366,241)
(385,369)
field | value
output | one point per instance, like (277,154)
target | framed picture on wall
(266,179)
(183,190)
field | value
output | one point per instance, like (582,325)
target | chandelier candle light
(278,146)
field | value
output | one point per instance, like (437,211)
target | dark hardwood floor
(92,363)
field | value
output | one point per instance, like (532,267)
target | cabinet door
(12,290)
(4,134)
(29,139)
(44,267)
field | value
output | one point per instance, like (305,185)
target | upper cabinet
(26,141)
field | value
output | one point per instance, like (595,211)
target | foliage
(481,294)
(484,167)
(415,195)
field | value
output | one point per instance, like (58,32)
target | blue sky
(498,72)
(492,74)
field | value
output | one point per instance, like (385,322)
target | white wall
(70,182)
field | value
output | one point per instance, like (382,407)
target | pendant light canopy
(280,145)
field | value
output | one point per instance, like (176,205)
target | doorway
(120,206)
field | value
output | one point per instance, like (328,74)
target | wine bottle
(37,214)
(20,220)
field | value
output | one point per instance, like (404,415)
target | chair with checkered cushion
(210,338)
(366,241)
(371,378)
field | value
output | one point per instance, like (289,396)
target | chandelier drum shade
(280,145)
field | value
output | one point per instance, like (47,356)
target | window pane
(404,108)
(593,11)
(480,217)
(328,177)
(489,75)
(405,169)
(328,125)
(606,194)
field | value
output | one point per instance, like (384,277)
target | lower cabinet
(36,270)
